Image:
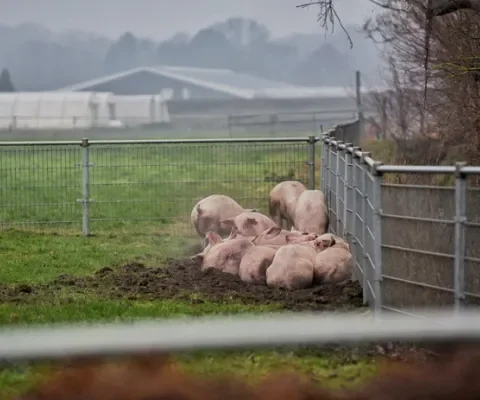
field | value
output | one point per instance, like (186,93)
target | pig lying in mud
(292,267)
(282,202)
(335,263)
(275,236)
(224,255)
(255,262)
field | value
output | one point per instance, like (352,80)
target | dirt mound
(181,279)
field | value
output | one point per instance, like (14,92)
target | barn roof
(221,80)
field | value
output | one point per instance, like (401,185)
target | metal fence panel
(340,192)
(112,184)
(332,192)
(40,185)
(414,246)
(472,249)
(417,240)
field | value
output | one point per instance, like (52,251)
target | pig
(334,264)
(224,255)
(278,236)
(292,267)
(282,202)
(249,223)
(311,213)
(255,262)
(208,212)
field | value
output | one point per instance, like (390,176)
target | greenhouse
(78,110)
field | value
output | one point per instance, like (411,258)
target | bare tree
(434,45)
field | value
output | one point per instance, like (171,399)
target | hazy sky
(160,19)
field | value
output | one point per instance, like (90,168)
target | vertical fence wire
(377,237)
(367,290)
(311,162)
(338,227)
(460,220)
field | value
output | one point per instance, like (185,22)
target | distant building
(206,98)
(181,83)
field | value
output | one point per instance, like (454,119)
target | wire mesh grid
(135,185)
(472,250)
(418,246)
(40,185)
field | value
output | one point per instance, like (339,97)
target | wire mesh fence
(413,245)
(104,185)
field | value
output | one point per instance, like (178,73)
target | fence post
(377,234)
(85,186)
(311,162)
(360,113)
(347,201)
(364,230)
(337,188)
(460,220)
(329,184)
(354,211)
(324,167)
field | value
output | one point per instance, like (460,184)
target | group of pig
(291,249)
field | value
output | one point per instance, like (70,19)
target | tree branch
(444,7)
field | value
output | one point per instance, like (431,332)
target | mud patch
(182,280)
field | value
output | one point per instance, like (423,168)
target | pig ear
(213,238)
(230,222)
(324,243)
(293,229)
(197,258)
(291,238)
(252,221)
(272,232)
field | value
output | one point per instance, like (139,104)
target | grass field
(142,198)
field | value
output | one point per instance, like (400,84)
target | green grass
(35,257)
(142,198)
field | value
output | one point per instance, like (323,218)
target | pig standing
(254,264)
(334,264)
(208,212)
(224,255)
(311,213)
(248,223)
(282,202)
(293,265)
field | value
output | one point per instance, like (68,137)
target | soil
(182,280)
